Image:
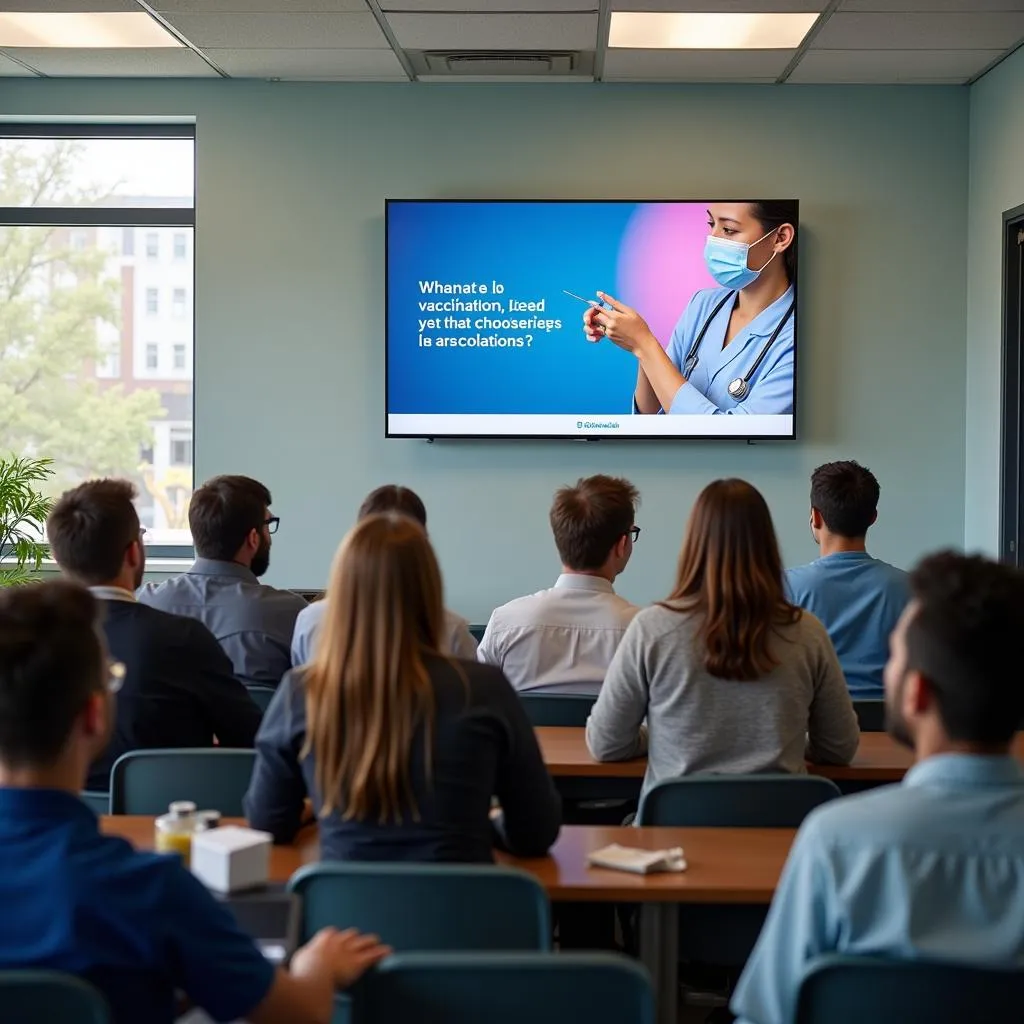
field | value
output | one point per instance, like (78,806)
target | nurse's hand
(622,325)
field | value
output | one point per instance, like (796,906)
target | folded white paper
(638,861)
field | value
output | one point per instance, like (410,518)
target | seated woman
(399,747)
(730,676)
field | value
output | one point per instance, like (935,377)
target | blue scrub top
(707,391)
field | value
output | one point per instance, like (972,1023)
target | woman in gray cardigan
(729,675)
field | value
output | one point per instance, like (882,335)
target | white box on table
(231,858)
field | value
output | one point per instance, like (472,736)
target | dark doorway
(1011,518)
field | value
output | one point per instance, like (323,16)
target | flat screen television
(583,319)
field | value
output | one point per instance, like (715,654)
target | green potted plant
(23,512)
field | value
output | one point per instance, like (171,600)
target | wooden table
(725,865)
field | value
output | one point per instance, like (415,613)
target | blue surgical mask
(727,261)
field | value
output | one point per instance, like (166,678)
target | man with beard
(177,688)
(231,525)
(934,867)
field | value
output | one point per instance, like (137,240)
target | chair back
(851,990)
(735,801)
(426,907)
(518,988)
(564,709)
(97,802)
(147,781)
(870,715)
(32,997)
(477,632)
(261,695)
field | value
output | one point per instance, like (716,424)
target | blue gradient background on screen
(648,255)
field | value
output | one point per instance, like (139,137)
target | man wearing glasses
(562,640)
(231,528)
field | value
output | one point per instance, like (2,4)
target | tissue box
(231,858)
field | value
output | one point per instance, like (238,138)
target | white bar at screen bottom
(441,425)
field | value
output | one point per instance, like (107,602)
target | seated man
(857,598)
(136,925)
(389,498)
(178,688)
(562,640)
(231,528)
(933,867)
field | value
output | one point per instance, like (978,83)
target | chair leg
(659,952)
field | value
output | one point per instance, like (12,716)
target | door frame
(1011,469)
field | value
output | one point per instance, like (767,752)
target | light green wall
(290,297)
(996,185)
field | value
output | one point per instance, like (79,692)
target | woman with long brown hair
(399,747)
(730,676)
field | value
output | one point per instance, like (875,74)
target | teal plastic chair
(852,990)
(426,907)
(519,988)
(870,715)
(565,709)
(97,802)
(477,632)
(148,781)
(261,695)
(34,997)
(725,935)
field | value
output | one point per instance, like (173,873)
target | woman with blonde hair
(730,676)
(399,747)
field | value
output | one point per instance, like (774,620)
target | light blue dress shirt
(859,599)
(932,868)
(707,390)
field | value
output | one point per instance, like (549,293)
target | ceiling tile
(921,31)
(696,65)
(258,6)
(720,6)
(12,69)
(141,63)
(891,66)
(485,6)
(309,64)
(931,6)
(280,31)
(68,6)
(495,31)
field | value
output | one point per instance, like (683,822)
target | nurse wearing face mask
(731,352)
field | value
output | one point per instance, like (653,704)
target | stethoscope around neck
(740,387)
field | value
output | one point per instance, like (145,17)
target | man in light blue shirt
(857,597)
(459,642)
(932,868)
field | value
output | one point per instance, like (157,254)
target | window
(179,357)
(180,247)
(178,303)
(86,212)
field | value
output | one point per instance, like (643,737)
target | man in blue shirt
(858,598)
(932,868)
(136,925)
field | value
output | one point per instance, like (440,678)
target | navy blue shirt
(136,925)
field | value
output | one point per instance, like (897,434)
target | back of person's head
(223,513)
(92,527)
(52,663)
(590,518)
(367,688)
(730,572)
(394,498)
(846,494)
(963,631)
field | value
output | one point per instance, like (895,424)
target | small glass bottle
(175,828)
(207,820)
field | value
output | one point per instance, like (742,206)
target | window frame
(134,217)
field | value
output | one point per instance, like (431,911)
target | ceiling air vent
(501,63)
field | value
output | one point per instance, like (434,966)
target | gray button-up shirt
(252,622)
(560,640)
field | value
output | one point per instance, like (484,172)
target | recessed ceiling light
(110,30)
(772,31)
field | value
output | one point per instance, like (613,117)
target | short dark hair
(846,494)
(588,519)
(964,638)
(91,527)
(772,214)
(394,498)
(51,662)
(222,513)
